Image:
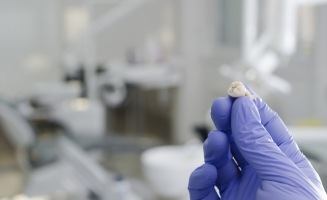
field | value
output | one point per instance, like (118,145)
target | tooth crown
(237,89)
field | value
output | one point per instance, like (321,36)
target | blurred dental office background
(110,99)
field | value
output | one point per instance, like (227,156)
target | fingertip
(202,182)
(244,102)
(216,149)
(203,177)
(257,99)
(244,113)
(266,113)
(220,112)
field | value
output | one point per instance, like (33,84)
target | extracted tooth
(238,89)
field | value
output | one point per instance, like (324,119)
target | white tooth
(237,89)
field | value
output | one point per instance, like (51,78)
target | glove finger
(212,196)
(202,183)
(277,129)
(221,117)
(257,147)
(282,137)
(217,153)
(221,113)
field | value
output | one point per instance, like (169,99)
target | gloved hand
(252,155)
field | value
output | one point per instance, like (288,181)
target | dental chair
(73,175)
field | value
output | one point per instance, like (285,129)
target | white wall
(198,41)
(29,44)
(132,30)
(319,95)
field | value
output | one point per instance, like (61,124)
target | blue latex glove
(252,155)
